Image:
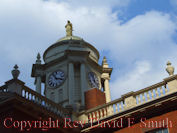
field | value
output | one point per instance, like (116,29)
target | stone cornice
(170,78)
(107,70)
(150,87)
(14,81)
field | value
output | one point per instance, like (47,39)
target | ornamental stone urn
(170,68)
(15,72)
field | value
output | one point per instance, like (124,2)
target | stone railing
(151,93)
(103,111)
(31,95)
(131,100)
(37,98)
(127,101)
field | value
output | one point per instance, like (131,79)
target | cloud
(147,39)
(95,3)
(132,80)
(137,49)
(34,25)
(144,36)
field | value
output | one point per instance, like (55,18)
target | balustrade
(150,93)
(31,95)
(127,101)
(37,98)
(133,99)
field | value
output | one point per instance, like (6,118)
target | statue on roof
(69,28)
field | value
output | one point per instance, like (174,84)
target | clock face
(56,78)
(93,79)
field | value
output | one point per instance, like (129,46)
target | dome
(70,38)
(72,43)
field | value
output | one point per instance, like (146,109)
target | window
(164,130)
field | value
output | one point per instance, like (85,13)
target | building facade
(77,96)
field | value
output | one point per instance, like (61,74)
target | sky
(138,37)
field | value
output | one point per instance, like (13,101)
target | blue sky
(138,37)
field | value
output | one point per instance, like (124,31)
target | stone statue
(69,28)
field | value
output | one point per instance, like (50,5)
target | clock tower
(70,69)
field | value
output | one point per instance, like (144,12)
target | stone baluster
(101,113)
(97,114)
(108,111)
(26,95)
(152,94)
(156,92)
(111,109)
(94,117)
(90,116)
(139,99)
(116,108)
(161,91)
(105,112)
(148,96)
(144,97)
(120,107)
(166,90)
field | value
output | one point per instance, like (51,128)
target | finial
(170,68)
(69,28)
(15,72)
(38,61)
(38,56)
(104,63)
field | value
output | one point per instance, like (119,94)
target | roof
(70,38)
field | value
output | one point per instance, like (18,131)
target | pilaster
(71,83)
(83,83)
(38,84)
(107,90)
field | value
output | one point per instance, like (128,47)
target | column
(71,83)
(107,90)
(38,85)
(83,83)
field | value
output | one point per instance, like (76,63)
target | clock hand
(59,78)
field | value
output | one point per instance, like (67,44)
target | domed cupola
(69,43)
